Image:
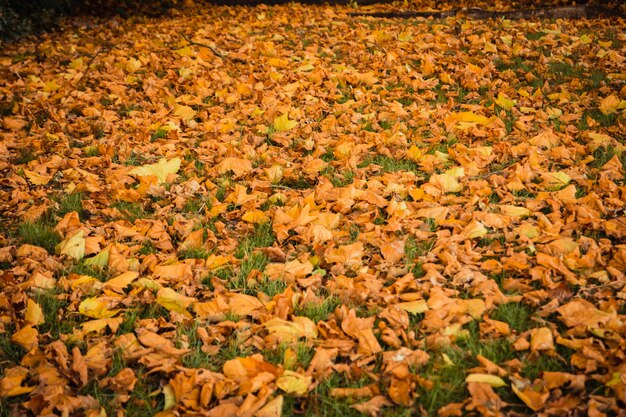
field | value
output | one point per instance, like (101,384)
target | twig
(213,49)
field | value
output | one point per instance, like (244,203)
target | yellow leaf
(493,380)
(448,182)
(73,246)
(99,324)
(77,63)
(474,229)
(11,383)
(96,308)
(291,331)
(505,102)
(467,117)
(405,36)
(238,166)
(51,86)
(414,307)
(132,65)
(26,337)
(553,181)
(255,216)
(184,112)
(514,211)
(294,383)
(170,397)
(34,313)
(609,105)
(528,230)
(161,169)
(282,123)
(120,282)
(278,62)
(541,339)
(174,301)
(414,153)
(99,261)
(243,304)
(273,408)
(36,178)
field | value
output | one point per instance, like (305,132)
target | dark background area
(26,17)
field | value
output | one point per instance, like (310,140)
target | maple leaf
(184,112)
(34,314)
(96,308)
(282,123)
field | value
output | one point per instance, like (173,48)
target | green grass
(320,402)
(69,203)
(262,237)
(193,253)
(187,334)
(304,355)
(147,248)
(604,120)
(270,287)
(563,69)
(391,165)
(413,248)
(534,366)
(39,233)
(197,205)
(134,159)
(59,319)
(518,316)
(131,211)
(603,154)
(80,268)
(448,382)
(318,312)
(140,312)
(24,156)
(256,261)
(10,352)
(160,133)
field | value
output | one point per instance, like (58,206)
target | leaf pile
(306,212)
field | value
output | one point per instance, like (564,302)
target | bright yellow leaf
(282,123)
(96,308)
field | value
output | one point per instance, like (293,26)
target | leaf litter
(334,215)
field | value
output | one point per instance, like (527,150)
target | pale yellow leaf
(294,383)
(173,301)
(73,246)
(161,169)
(493,380)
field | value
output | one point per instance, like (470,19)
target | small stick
(215,51)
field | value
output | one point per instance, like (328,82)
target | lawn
(295,210)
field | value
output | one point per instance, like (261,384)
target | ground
(293,210)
